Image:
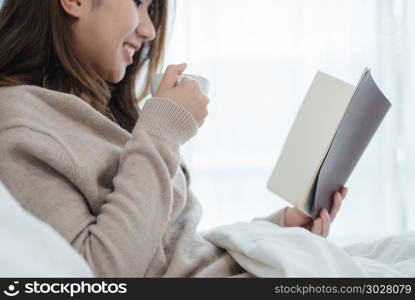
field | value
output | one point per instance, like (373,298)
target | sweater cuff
(277,218)
(167,120)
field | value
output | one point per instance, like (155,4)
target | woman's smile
(128,52)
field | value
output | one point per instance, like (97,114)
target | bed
(32,248)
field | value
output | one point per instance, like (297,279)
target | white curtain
(260,57)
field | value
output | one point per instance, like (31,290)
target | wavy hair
(36,48)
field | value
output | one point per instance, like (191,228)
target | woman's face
(105,36)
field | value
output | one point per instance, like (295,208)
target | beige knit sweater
(120,199)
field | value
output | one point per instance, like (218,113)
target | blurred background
(260,57)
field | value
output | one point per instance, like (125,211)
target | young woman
(76,151)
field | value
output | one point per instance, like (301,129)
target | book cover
(333,127)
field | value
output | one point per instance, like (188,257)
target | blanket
(267,250)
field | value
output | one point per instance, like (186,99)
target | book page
(310,137)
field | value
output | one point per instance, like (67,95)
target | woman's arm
(293,217)
(123,238)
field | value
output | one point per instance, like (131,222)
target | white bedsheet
(267,250)
(32,248)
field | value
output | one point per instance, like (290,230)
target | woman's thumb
(172,73)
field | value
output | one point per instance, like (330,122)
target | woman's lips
(128,56)
(128,52)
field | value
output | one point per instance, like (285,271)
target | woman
(76,152)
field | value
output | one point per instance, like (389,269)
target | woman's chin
(116,77)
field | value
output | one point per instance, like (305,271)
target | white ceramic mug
(156,79)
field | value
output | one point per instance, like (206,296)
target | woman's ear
(75,8)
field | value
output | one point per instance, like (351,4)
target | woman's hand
(320,225)
(186,93)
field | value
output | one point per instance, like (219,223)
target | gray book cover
(363,115)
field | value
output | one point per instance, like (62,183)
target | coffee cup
(156,80)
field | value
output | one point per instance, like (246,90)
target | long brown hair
(36,49)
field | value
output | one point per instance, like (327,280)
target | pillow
(31,247)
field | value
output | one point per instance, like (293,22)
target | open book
(330,133)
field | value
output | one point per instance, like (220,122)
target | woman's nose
(145,28)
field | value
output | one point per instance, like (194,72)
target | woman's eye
(137,2)
(152,10)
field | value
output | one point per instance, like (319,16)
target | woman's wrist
(294,217)
(167,120)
